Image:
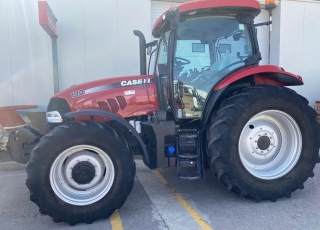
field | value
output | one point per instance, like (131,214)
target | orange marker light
(270,4)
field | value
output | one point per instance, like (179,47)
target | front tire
(263,142)
(80,172)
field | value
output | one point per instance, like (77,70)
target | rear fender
(246,77)
(266,74)
(93,112)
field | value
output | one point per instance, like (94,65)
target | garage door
(159,7)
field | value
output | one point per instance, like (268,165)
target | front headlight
(54,117)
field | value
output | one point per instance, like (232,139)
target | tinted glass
(206,50)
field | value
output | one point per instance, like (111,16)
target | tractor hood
(126,96)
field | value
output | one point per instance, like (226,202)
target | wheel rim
(82,175)
(270,144)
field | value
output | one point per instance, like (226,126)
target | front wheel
(263,142)
(80,172)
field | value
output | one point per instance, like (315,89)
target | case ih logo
(135,82)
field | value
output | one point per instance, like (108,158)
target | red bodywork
(206,4)
(135,99)
(266,74)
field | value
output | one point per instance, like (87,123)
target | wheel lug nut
(255,141)
(256,147)
(261,151)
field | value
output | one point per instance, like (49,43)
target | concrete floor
(152,206)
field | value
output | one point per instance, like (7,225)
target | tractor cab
(197,49)
(203,51)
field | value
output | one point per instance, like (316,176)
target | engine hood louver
(113,105)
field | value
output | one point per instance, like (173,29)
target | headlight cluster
(54,117)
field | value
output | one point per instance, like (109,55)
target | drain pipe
(270,5)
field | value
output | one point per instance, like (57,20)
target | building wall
(95,41)
(298,45)
(25,55)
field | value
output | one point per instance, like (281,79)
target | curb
(11,166)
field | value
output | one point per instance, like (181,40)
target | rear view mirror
(173,17)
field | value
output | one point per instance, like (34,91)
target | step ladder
(189,155)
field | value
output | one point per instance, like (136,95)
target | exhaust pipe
(143,56)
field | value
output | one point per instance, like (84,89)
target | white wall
(25,54)
(95,41)
(299,44)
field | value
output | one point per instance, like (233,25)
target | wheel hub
(264,143)
(83,172)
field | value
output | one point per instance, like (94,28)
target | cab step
(189,155)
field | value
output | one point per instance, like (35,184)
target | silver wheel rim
(281,133)
(67,189)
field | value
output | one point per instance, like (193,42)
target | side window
(206,50)
(234,48)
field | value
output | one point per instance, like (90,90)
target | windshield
(206,50)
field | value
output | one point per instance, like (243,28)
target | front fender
(112,116)
(265,74)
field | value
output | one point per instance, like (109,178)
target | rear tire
(97,181)
(268,165)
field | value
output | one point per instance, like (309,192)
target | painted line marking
(115,220)
(195,215)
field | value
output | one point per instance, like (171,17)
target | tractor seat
(218,65)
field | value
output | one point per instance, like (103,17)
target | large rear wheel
(263,142)
(80,172)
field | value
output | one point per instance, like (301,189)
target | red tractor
(208,101)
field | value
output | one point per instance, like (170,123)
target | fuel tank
(128,96)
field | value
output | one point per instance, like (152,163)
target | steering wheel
(205,68)
(181,61)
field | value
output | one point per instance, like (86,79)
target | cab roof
(252,6)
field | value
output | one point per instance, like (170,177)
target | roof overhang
(197,5)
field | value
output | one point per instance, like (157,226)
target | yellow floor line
(195,215)
(115,220)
